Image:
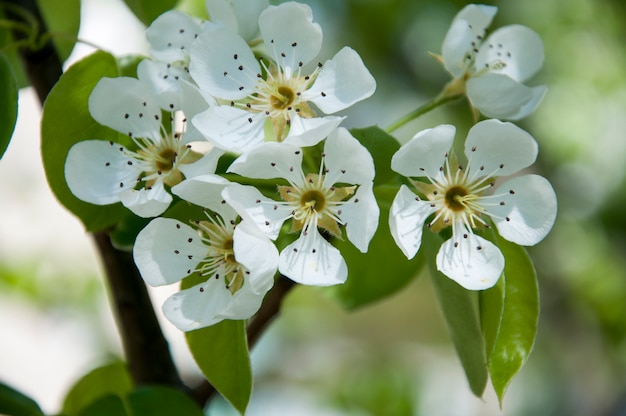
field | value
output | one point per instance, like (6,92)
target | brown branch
(145,347)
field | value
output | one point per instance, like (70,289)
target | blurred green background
(395,357)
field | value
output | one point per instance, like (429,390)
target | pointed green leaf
(62,19)
(460,313)
(109,405)
(518,327)
(221,352)
(8,103)
(491,303)
(381,146)
(66,121)
(14,403)
(111,379)
(380,272)
(161,401)
(148,10)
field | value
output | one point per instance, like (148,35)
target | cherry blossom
(466,198)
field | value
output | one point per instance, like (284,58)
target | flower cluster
(247,83)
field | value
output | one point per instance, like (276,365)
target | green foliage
(8,103)
(161,401)
(148,10)
(519,296)
(66,121)
(14,403)
(109,405)
(459,311)
(111,379)
(380,272)
(62,19)
(381,146)
(221,352)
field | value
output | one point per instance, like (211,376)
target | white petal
(269,161)
(529,209)
(239,15)
(425,154)
(531,105)
(164,80)
(204,166)
(256,253)
(231,128)
(343,81)
(171,34)
(252,206)
(126,105)
(97,171)
(472,262)
(356,169)
(406,220)
(498,95)
(499,148)
(216,58)
(167,250)
(311,260)
(147,203)
(193,101)
(305,132)
(288,30)
(518,47)
(467,25)
(205,191)
(360,216)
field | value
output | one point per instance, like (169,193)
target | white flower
(492,70)
(240,16)
(238,260)
(104,172)
(339,194)
(523,208)
(280,90)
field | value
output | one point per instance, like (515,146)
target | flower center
(283,98)
(313,200)
(165,159)
(456,198)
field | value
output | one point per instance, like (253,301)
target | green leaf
(380,272)
(10,51)
(518,326)
(111,379)
(221,352)
(382,146)
(109,405)
(14,403)
(62,19)
(491,304)
(148,10)
(161,401)
(8,103)
(459,311)
(66,121)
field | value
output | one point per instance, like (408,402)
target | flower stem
(423,109)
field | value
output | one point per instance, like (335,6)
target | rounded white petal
(360,216)
(346,160)
(467,25)
(223,65)
(290,35)
(231,128)
(343,81)
(206,165)
(495,148)
(167,250)
(531,105)
(252,206)
(425,154)
(164,80)
(256,253)
(519,48)
(171,34)
(241,16)
(406,220)
(499,96)
(524,209)
(97,171)
(205,191)
(126,105)
(269,161)
(147,203)
(311,260)
(472,262)
(305,132)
